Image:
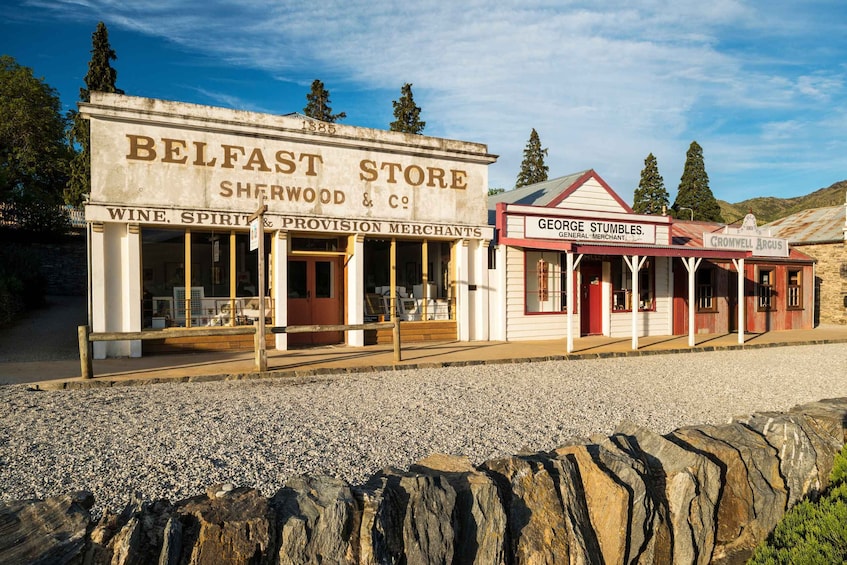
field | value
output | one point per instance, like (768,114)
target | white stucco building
(353,215)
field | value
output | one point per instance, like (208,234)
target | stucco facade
(353,215)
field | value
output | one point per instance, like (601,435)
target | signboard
(197,157)
(760,246)
(749,237)
(583,229)
(170,217)
(254,235)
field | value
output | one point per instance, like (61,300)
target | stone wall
(831,286)
(702,494)
(64,264)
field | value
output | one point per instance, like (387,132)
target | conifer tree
(694,191)
(650,197)
(533,169)
(100,77)
(317,104)
(407,114)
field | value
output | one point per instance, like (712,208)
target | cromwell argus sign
(589,230)
(760,246)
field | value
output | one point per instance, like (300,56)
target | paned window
(546,284)
(622,298)
(765,289)
(795,289)
(706,290)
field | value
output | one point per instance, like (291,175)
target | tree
(493,191)
(407,114)
(100,77)
(533,169)
(650,197)
(33,152)
(694,191)
(317,105)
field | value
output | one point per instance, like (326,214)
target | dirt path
(45,334)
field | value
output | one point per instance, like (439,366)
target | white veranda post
(739,266)
(572,264)
(691,265)
(635,263)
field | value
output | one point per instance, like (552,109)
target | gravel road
(172,440)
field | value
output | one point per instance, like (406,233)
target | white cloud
(603,83)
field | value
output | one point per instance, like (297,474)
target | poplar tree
(650,197)
(407,114)
(100,77)
(694,191)
(533,169)
(317,104)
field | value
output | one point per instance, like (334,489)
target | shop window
(546,284)
(622,298)
(436,301)
(223,277)
(706,290)
(795,289)
(765,290)
(314,244)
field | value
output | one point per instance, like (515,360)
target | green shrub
(812,532)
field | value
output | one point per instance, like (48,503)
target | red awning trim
(606,249)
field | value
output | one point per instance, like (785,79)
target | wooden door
(591,299)
(680,298)
(314,298)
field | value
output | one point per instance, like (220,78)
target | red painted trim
(590,173)
(575,247)
(532,244)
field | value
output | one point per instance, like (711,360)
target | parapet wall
(701,494)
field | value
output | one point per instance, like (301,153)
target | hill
(769,208)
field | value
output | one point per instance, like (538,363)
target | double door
(314,298)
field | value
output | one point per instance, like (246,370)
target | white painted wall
(591,196)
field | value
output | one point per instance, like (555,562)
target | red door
(680,298)
(591,299)
(314,298)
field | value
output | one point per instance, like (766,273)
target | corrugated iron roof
(818,225)
(538,194)
(690,234)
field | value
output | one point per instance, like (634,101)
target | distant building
(822,234)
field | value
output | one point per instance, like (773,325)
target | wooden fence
(87,337)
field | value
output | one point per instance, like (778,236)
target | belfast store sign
(581,229)
(154,153)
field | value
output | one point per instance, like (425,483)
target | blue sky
(759,85)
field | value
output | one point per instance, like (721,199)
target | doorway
(314,298)
(591,298)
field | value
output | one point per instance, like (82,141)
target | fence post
(85,352)
(259,346)
(396,332)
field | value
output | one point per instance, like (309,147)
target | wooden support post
(85,353)
(261,353)
(258,345)
(396,331)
